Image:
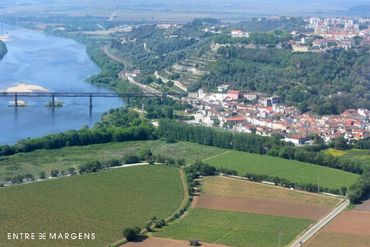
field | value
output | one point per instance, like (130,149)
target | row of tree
(253,143)
(288,184)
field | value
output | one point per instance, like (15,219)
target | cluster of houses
(330,33)
(324,34)
(251,112)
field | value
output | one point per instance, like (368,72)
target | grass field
(361,154)
(46,160)
(292,170)
(103,203)
(235,229)
(222,186)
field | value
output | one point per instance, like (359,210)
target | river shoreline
(51,63)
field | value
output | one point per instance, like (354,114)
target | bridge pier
(16,100)
(53,100)
(90,104)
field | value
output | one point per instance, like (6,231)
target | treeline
(252,143)
(3,49)
(129,128)
(144,155)
(157,108)
(288,184)
(362,144)
(270,39)
(361,189)
(109,68)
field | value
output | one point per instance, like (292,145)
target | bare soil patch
(350,228)
(165,242)
(223,186)
(260,206)
(365,206)
(350,222)
(329,239)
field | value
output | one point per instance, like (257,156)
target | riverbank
(47,63)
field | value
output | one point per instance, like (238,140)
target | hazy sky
(249,7)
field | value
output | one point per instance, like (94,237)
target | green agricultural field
(292,170)
(103,203)
(235,229)
(62,159)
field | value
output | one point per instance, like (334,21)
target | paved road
(105,49)
(307,235)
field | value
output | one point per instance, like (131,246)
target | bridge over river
(90,95)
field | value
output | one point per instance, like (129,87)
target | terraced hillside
(189,71)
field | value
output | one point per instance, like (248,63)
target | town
(251,112)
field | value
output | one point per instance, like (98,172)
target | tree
(131,233)
(146,154)
(168,112)
(42,175)
(72,171)
(340,143)
(54,173)
(148,80)
(29,177)
(216,122)
(170,83)
(160,223)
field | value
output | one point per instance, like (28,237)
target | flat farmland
(235,228)
(294,171)
(224,186)
(236,212)
(350,228)
(222,193)
(103,203)
(62,159)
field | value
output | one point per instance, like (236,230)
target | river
(56,64)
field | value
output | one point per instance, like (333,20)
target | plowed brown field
(261,206)
(350,228)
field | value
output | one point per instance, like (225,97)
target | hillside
(326,83)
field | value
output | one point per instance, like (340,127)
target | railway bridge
(90,95)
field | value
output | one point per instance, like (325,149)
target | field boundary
(183,205)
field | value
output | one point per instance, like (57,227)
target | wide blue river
(56,64)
